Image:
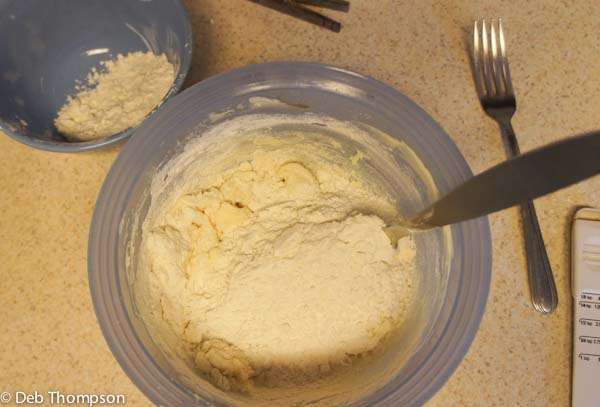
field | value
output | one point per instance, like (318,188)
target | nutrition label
(588,328)
(586,357)
(585,285)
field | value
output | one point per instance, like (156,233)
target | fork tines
(490,61)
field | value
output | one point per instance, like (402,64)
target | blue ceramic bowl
(47,45)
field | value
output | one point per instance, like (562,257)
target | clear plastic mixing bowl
(454,264)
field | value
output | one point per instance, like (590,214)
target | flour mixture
(268,263)
(119,97)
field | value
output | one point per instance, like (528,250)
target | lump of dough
(226,365)
(228,217)
(298,179)
(238,188)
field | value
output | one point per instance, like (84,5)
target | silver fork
(494,86)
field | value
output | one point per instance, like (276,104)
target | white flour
(117,99)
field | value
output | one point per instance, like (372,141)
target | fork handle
(539,272)
(511,144)
(541,281)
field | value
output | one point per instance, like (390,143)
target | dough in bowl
(265,259)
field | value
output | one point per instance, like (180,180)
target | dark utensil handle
(292,9)
(339,5)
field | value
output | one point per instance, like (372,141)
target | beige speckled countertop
(49,337)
